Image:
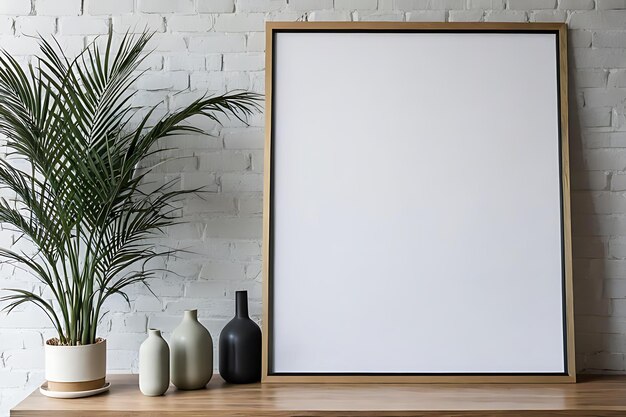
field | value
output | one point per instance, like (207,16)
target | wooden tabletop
(593,396)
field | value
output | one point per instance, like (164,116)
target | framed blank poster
(417,221)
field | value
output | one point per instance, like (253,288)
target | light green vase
(191,353)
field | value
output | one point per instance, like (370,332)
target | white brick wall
(218,45)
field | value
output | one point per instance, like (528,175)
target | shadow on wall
(600,327)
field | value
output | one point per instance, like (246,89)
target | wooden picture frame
(297,369)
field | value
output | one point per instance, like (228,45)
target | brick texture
(218,45)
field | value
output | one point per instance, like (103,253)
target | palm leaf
(80,201)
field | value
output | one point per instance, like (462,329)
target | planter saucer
(43,389)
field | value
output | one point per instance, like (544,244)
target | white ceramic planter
(76,368)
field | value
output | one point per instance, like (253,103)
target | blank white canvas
(416,204)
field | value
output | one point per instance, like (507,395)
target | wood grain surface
(595,396)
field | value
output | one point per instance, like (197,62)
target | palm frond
(80,201)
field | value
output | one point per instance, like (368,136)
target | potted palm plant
(76,194)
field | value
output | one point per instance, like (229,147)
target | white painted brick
(598,97)
(597,117)
(617,139)
(224,161)
(356,4)
(216,6)
(600,202)
(617,247)
(218,42)
(6,25)
(256,42)
(185,62)
(147,303)
(531,4)
(608,269)
(116,304)
(122,360)
(157,80)
(286,15)
(598,225)
(196,141)
(616,78)
(125,341)
(426,16)
(251,22)
(256,161)
(134,323)
(579,38)
(220,81)
(366,16)
(506,16)
(465,15)
(250,205)
(222,271)
(447,4)
(330,16)
(181,99)
(204,180)
(576,4)
(210,203)
(618,307)
(610,4)
(548,16)
(22,45)
(614,19)
(257,82)
(34,25)
(58,7)
(260,5)
(22,359)
(486,4)
(590,180)
(615,288)
(139,23)
(599,58)
(211,288)
(618,182)
(191,23)
(410,4)
(243,138)
(234,228)
(213,62)
(306,5)
(589,247)
(165,42)
(15,7)
(606,361)
(165,6)
(99,7)
(83,25)
(246,250)
(13,378)
(236,182)
(611,342)
(244,62)
(609,39)
(605,159)
(166,323)
(206,308)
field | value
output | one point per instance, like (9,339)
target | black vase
(240,346)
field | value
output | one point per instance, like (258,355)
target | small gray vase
(191,364)
(154,365)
